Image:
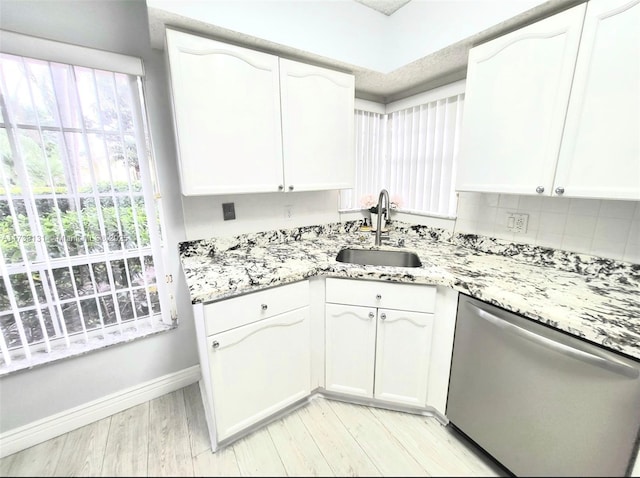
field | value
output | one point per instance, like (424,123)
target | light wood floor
(167,437)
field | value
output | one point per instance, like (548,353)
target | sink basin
(369,257)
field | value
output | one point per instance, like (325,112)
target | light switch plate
(228,211)
(517,222)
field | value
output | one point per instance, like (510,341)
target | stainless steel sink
(379,258)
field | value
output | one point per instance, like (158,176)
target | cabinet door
(515,103)
(259,369)
(226,103)
(402,356)
(600,154)
(350,341)
(317,127)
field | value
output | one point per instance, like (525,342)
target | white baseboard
(52,426)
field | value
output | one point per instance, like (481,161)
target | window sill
(40,358)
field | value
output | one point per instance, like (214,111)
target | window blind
(411,153)
(79,235)
(369,128)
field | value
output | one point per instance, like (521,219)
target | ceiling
(443,66)
(388,7)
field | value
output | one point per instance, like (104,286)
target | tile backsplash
(603,228)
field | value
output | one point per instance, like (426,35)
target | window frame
(22,356)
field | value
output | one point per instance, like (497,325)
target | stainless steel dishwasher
(539,401)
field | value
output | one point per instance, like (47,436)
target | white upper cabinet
(554,108)
(227,111)
(234,108)
(516,98)
(600,152)
(317,127)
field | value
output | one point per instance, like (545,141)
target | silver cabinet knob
(371,315)
(291,188)
(540,189)
(559,190)
(215,344)
(280,187)
(264,306)
(378,297)
(383,316)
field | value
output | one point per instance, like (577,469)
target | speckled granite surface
(594,298)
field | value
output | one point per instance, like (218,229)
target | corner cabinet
(554,108)
(267,352)
(249,122)
(381,347)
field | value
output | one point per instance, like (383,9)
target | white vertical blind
(410,152)
(79,241)
(370,133)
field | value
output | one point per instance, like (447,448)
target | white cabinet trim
(408,319)
(270,326)
(521,38)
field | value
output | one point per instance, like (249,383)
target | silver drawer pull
(383,316)
(264,307)
(379,296)
(371,315)
(215,344)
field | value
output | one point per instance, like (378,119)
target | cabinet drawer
(230,313)
(419,298)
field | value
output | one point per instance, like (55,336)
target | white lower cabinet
(374,352)
(402,356)
(350,347)
(262,352)
(259,369)
(255,356)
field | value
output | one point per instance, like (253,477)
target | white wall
(597,227)
(423,27)
(118,26)
(348,31)
(326,28)
(258,212)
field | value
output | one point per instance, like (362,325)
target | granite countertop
(593,298)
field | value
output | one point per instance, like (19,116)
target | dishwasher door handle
(604,362)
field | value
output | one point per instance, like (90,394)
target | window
(79,234)
(410,151)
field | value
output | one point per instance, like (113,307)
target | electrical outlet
(228,211)
(288,212)
(517,222)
